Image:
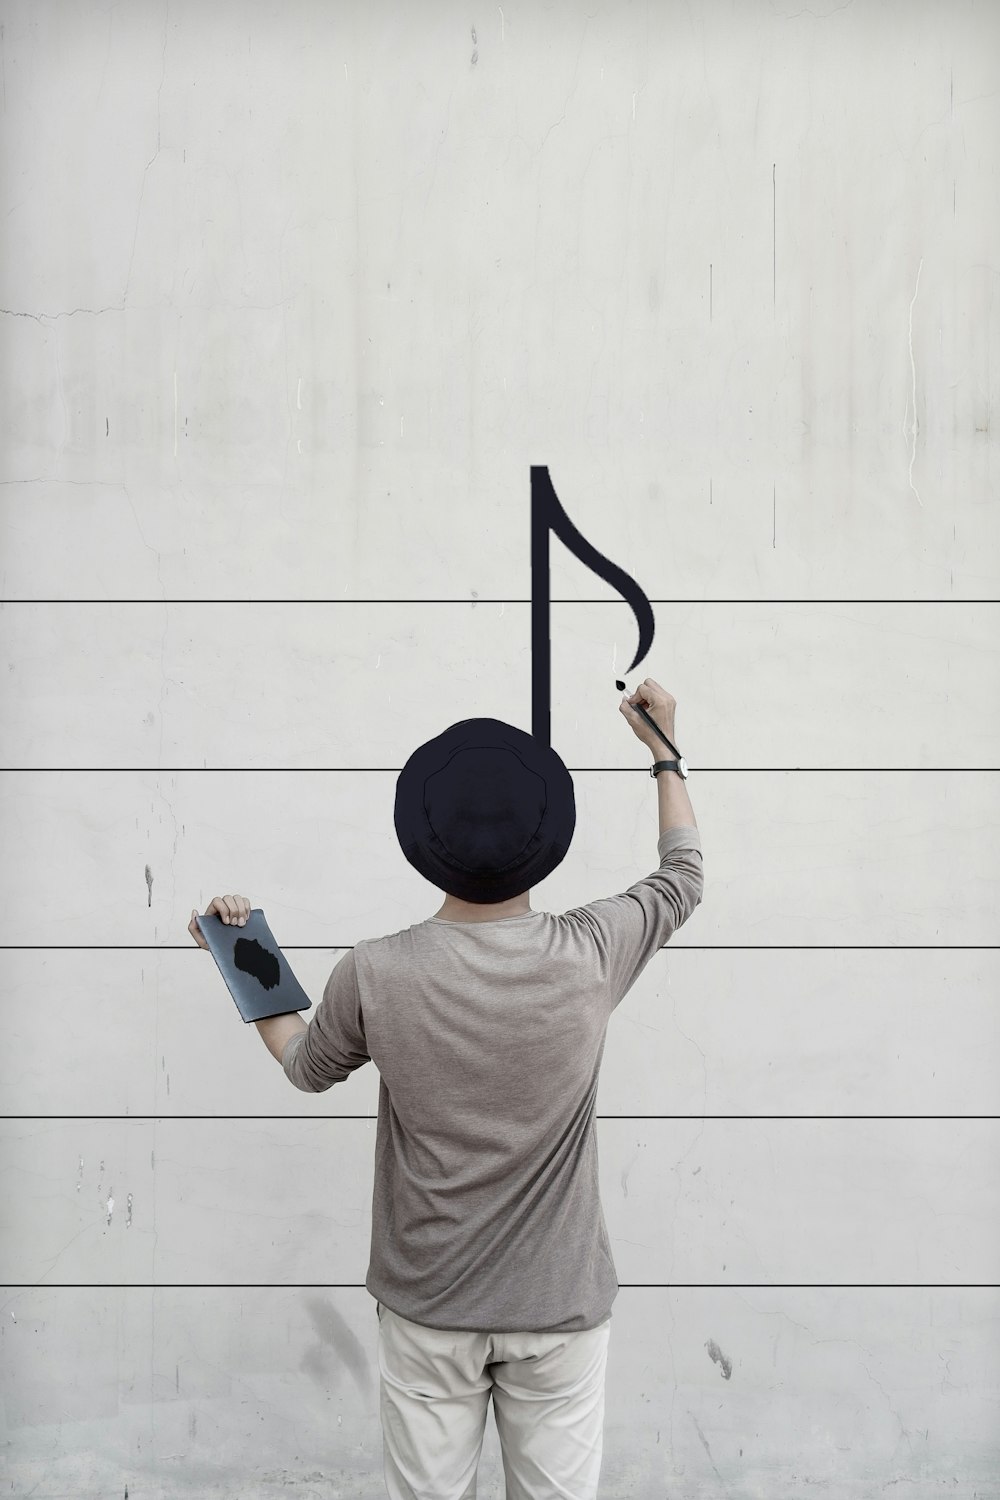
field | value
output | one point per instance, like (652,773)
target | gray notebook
(254,967)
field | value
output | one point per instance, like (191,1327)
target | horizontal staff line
(392,770)
(360,1286)
(598,1117)
(192,947)
(690,947)
(507,600)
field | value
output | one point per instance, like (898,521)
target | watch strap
(666,765)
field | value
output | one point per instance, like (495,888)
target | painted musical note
(547,516)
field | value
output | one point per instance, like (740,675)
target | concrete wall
(293,296)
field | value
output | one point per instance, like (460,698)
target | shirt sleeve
(629,928)
(333,1045)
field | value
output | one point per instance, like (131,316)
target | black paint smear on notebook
(253,958)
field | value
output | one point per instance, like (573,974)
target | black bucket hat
(484,811)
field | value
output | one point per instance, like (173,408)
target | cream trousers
(548,1402)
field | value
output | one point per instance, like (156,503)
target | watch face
(683,767)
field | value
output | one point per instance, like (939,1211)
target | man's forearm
(277,1031)
(672,795)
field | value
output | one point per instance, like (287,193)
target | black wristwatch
(679,765)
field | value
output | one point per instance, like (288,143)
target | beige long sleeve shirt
(489,1036)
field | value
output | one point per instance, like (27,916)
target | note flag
(547,515)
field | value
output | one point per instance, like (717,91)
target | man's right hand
(661,707)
